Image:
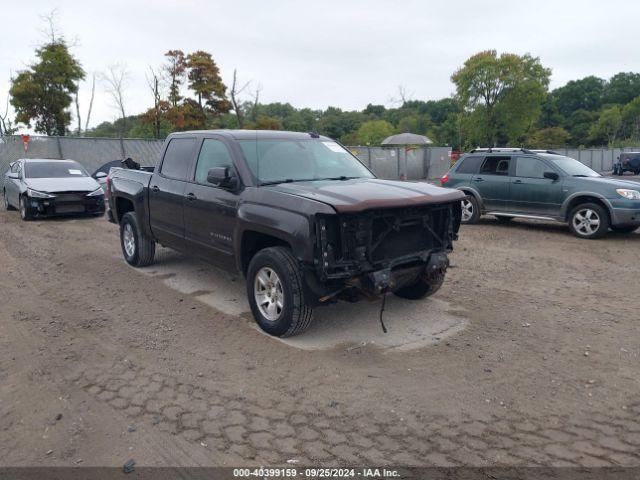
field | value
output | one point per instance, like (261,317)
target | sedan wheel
(25,214)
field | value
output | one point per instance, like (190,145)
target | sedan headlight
(36,194)
(629,194)
(97,192)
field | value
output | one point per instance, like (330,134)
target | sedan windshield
(571,166)
(295,160)
(54,169)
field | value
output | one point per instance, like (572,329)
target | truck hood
(67,184)
(356,195)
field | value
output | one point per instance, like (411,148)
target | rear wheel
(470,210)
(589,220)
(138,249)
(25,210)
(275,292)
(624,229)
(5,200)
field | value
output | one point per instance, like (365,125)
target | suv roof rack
(511,149)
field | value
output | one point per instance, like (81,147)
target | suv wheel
(138,249)
(589,220)
(25,210)
(275,292)
(470,210)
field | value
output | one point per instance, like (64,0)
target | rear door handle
(191,197)
(478,179)
(519,182)
(155,188)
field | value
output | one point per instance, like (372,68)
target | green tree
(504,93)
(551,137)
(583,94)
(206,83)
(608,125)
(631,119)
(43,92)
(622,88)
(373,132)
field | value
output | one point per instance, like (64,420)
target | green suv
(518,183)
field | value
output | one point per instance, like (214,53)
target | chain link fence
(405,163)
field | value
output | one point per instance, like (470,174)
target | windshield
(53,169)
(287,160)
(571,166)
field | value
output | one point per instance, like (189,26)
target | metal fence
(406,163)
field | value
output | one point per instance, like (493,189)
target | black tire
(295,316)
(419,290)
(503,219)
(25,211)
(624,229)
(5,200)
(589,232)
(470,204)
(142,250)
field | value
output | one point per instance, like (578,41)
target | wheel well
(123,206)
(585,199)
(253,242)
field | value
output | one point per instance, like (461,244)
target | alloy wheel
(586,222)
(268,293)
(129,240)
(467,210)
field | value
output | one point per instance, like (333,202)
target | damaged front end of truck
(365,254)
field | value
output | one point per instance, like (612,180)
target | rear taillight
(444,179)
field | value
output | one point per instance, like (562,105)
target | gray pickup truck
(297,214)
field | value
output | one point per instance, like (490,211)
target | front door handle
(478,179)
(155,189)
(518,182)
(191,197)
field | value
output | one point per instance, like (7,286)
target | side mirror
(221,177)
(100,175)
(13,176)
(551,176)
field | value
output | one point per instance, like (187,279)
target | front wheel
(589,221)
(422,288)
(25,210)
(138,249)
(470,210)
(276,294)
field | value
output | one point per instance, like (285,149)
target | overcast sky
(321,53)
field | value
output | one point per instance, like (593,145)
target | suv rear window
(496,166)
(177,158)
(469,165)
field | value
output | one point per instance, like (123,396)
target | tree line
(500,99)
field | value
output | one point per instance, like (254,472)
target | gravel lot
(100,363)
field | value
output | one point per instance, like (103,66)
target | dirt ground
(100,363)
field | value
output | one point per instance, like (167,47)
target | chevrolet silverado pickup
(299,216)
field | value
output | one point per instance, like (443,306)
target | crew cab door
(492,182)
(210,211)
(166,192)
(531,193)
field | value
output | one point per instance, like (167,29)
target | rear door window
(469,165)
(496,166)
(530,167)
(177,158)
